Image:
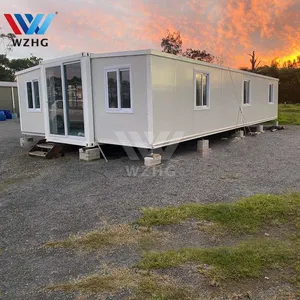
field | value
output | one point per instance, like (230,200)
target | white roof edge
(58,59)
(8,84)
(181,58)
(121,53)
(65,58)
(27,70)
(143,52)
(199,62)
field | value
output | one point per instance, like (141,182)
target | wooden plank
(38,153)
(46,146)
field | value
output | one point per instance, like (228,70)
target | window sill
(119,111)
(271,103)
(246,105)
(201,108)
(34,110)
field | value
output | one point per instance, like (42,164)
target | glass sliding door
(74,100)
(65,100)
(55,100)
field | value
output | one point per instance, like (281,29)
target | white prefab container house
(145,99)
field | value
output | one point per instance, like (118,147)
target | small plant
(247,215)
(110,236)
(246,260)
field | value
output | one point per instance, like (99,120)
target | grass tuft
(247,215)
(113,281)
(144,286)
(111,236)
(246,260)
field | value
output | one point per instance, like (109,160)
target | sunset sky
(226,28)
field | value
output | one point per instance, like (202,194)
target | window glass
(271,93)
(112,89)
(202,90)
(55,100)
(36,94)
(246,99)
(205,90)
(74,100)
(125,89)
(199,90)
(29,95)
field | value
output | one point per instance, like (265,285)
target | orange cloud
(229,29)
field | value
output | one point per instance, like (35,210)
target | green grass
(247,215)
(289,114)
(246,260)
(145,286)
(109,237)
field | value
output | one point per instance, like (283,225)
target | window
(246,94)
(271,93)
(118,90)
(201,90)
(33,95)
(29,95)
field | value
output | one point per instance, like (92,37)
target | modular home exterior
(145,99)
(9,96)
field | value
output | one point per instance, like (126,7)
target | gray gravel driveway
(41,200)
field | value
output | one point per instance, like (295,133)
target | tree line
(8,67)
(288,72)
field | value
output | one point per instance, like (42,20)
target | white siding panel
(109,127)
(173,100)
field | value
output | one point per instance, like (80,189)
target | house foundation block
(89,154)
(240,134)
(260,128)
(203,145)
(153,160)
(26,141)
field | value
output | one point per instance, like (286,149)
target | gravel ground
(41,200)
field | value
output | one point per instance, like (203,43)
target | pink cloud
(229,29)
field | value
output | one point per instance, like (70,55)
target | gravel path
(41,200)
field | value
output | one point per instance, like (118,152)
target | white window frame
(118,109)
(34,109)
(207,74)
(273,89)
(249,103)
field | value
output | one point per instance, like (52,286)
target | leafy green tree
(6,73)
(20,64)
(199,55)
(289,78)
(8,67)
(172,43)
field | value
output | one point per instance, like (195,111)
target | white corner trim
(149,100)
(20,106)
(87,93)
